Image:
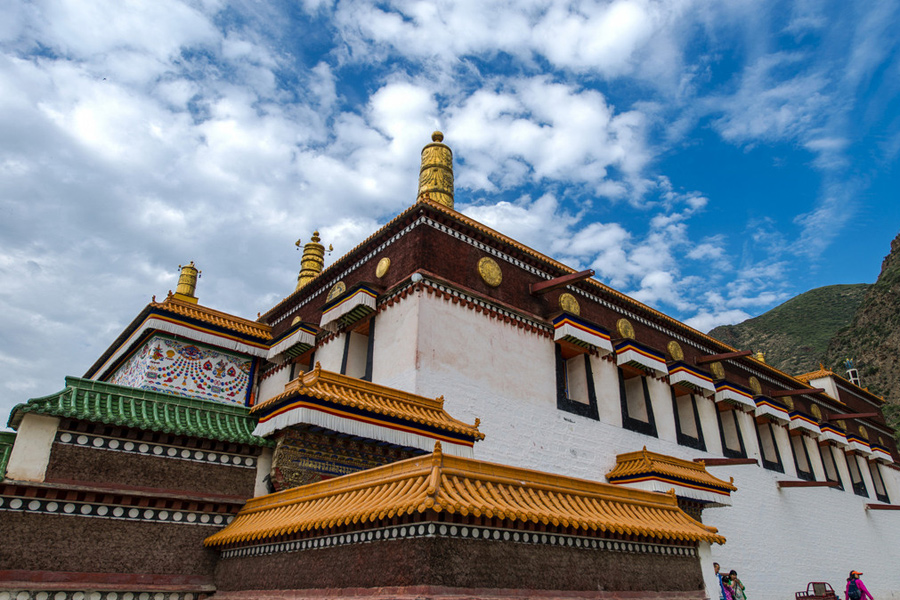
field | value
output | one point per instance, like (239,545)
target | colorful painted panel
(186,369)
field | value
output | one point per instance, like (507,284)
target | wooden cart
(817,590)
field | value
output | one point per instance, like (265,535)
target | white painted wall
(331,353)
(31,452)
(273,385)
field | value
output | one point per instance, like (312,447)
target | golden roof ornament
(187,283)
(760,356)
(436,174)
(313,260)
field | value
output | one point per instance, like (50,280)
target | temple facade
(442,411)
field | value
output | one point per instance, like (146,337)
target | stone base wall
(425,592)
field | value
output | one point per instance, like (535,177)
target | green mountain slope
(795,335)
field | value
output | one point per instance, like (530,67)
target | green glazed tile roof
(7,439)
(123,406)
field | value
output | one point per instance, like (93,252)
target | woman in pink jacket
(856,589)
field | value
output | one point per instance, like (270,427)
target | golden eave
(823,372)
(645,462)
(214,317)
(371,397)
(449,484)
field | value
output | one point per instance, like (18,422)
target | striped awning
(298,340)
(692,378)
(859,444)
(576,330)
(832,433)
(735,394)
(641,357)
(881,453)
(768,407)
(804,422)
(349,307)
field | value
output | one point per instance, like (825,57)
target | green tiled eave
(110,404)
(7,439)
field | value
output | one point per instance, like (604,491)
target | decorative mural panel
(186,369)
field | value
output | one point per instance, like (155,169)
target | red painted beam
(714,357)
(783,393)
(724,462)
(882,506)
(558,282)
(805,484)
(838,416)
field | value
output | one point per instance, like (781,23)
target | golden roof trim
(823,372)
(645,462)
(214,317)
(372,397)
(450,484)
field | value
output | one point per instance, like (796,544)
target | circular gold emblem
(755,387)
(569,303)
(383,265)
(675,350)
(880,441)
(789,402)
(339,288)
(842,424)
(863,432)
(625,329)
(295,321)
(717,370)
(490,271)
(816,412)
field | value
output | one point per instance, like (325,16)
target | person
(727,588)
(856,589)
(737,587)
(719,578)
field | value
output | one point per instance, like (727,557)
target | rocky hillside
(795,335)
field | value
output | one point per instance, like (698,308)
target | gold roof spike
(187,283)
(313,260)
(436,174)
(760,356)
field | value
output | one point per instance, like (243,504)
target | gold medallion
(789,402)
(339,288)
(755,386)
(864,432)
(717,370)
(625,329)
(568,303)
(675,351)
(383,265)
(490,271)
(816,412)
(843,425)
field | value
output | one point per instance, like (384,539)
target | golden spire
(436,174)
(760,356)
(187,283)
(313,260)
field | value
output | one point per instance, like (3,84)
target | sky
(711,159)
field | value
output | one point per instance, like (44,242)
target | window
(637,412)
(687,421)
(880,490)
(801,458)
(575,383)
(730,432)
(768,447)
(357,361)
(831,471)
(856,480)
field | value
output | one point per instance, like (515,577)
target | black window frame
(823,448)
(566,404)
(742,453)
(778,464)
(873,471)
(684,439)
(859,488)
(646,427)
(370,346)
(805,475)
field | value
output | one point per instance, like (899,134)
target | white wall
(31,451)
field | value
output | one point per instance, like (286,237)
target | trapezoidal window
(575,382)
(826,451)
(357,361)
(768,447)
(880,491)
(856,480)
(637,411)
(687,420)
(730,431)
(801,458)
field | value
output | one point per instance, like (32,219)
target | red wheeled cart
(817,590)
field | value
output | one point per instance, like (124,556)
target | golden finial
(436,174)
(313,260)
(760,356)
(187,283)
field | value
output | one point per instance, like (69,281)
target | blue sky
(710,158)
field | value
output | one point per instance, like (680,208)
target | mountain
(795,336)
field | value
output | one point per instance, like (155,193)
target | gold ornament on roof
(382,268)
(313,260)
(816,411)
(717,370)
(490,271)
(187,283)
(789,402)
(569,303)
(755,386)
(760,356)
(625,329)
(864,432)
(436,174)
(339,288)
(842,424)
(675,350)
